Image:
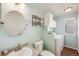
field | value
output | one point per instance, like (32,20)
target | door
(71,32)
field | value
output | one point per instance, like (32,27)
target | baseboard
(72,48)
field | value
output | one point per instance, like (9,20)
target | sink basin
(25,51)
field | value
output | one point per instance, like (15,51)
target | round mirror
(14,23)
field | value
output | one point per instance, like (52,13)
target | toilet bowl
(39,46)
(46,53)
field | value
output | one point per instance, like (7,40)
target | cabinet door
(46,19)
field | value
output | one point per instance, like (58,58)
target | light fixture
(68,9)
(17,3)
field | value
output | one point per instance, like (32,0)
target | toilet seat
(46,53)
(39,46)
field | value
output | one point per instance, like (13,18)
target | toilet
(39,46)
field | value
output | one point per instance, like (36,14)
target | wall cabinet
(48,18)
(49,21)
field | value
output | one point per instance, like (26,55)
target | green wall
(29,35)
(49,41)
(70,40)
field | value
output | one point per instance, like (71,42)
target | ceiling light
(17,3)
(68,9)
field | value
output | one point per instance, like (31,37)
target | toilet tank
(38,45)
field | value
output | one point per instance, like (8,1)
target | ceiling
(57,8)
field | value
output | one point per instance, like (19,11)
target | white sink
(23,52)
(27,52)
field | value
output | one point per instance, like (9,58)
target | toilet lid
(46,53)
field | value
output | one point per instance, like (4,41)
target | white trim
(78,51)
(71,47)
